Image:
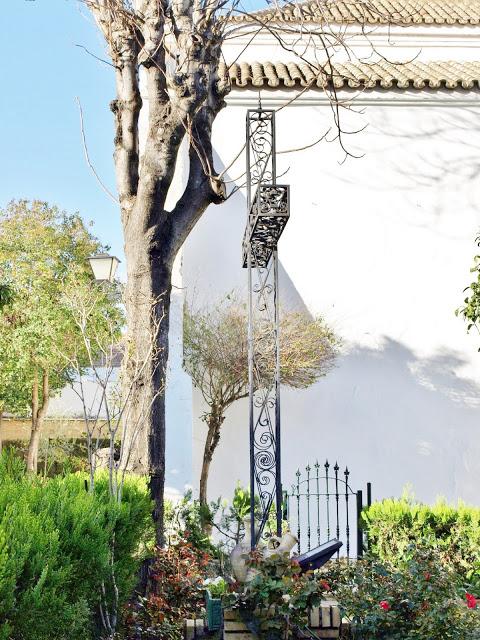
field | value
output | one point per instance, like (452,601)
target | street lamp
(104,267)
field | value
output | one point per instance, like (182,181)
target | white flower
(286,598)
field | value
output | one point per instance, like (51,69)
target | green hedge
(56,543)
(395,527)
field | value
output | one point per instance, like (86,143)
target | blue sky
(42,72)
(44,68)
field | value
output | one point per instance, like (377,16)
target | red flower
(427,575)
(471,601)
(385,605)
(324,584)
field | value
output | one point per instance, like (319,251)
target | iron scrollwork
(268,213)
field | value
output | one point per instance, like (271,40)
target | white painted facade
(381,246)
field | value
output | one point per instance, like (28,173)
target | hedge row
(395,527)
(60,547)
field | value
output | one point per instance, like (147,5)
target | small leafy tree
(216,358)
(43,254)
(14,390)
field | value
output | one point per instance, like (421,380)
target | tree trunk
(214,421)
(33,446)
(148,304)
(39,411)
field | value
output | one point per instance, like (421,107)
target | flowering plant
(277,600)
(421,600)
(177,592)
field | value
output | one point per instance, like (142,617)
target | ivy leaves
(470,311)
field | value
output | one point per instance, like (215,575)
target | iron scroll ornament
(267,214)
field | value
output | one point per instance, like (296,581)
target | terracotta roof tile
(358,75)
(402,12)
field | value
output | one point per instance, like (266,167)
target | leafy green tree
(14,389)
(215,356)
(43,254)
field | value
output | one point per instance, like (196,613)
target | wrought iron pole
(278,434)
(250,352)
(268,213)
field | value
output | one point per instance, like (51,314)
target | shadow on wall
(393,418)
(440,151)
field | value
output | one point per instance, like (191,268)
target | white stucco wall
(381,246)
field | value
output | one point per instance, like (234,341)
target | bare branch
(87,156)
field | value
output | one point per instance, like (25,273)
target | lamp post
(104,266)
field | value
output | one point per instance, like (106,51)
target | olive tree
(216,358)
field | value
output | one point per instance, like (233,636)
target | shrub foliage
(62,550)
(419,599)
(396,526)
(177,592)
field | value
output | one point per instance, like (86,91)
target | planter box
(325,622)
(214,612)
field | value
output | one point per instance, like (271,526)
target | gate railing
(322,505)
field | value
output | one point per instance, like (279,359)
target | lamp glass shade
(104,266)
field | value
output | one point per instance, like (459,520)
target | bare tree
(182,101)
(175,49)
(104,391)
(107,401)
(215,356)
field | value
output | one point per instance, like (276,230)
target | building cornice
(354,37)
(277,99)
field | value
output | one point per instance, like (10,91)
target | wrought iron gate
(321,505)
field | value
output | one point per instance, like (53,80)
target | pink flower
(471,601)
(385,605)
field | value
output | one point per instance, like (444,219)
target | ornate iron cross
(268,212)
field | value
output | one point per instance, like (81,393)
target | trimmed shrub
(63,551)
(396,526)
